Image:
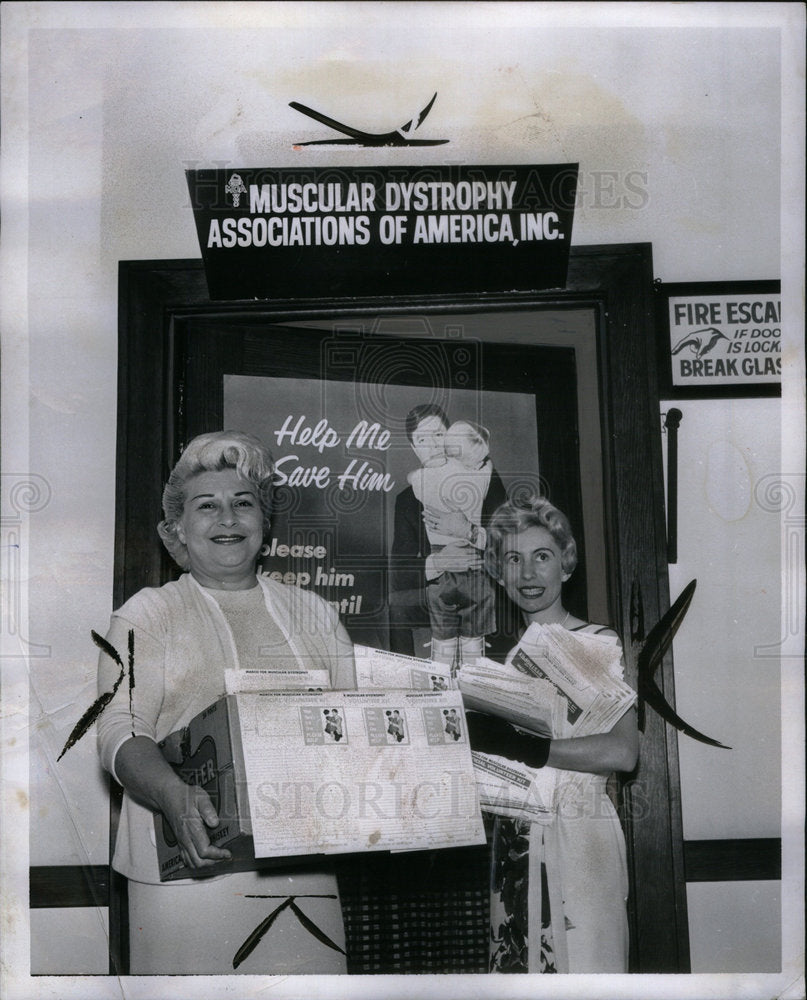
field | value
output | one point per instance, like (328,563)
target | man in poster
(426,427)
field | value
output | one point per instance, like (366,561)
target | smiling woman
(218,617)
(534,564)
(222,529)
(559,889)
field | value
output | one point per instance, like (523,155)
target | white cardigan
(182,647)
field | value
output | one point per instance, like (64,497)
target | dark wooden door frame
(616,281)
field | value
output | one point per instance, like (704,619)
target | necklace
(561,623)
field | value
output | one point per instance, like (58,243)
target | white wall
(727,686)
(118,110)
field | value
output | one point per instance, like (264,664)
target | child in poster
(459,594)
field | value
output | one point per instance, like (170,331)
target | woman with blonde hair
(218,616)
(558,890)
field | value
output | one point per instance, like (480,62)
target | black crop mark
(255,937)
(100,703)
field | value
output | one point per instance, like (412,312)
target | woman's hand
(450,522)
(490,734)
(190,813)
(602,753)
(143,771)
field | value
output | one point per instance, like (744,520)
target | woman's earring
(265,549)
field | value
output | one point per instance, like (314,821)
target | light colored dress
(185,637)
(559,892)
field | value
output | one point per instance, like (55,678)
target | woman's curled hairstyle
(214,452)
(515,516)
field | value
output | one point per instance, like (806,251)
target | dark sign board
(321,232)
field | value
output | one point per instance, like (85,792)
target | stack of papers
(510,788)
(530,702)
(238,681)
(376,668)
(555,683)
(505,787)
(584,668)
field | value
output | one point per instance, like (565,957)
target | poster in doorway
(349,471)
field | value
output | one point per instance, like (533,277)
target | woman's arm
(149,778)
(127,745)
(617,750)
(602,753)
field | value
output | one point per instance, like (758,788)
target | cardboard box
(322,787)
(207,753)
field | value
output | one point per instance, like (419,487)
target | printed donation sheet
(345,771)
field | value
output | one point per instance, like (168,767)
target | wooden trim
(118,893)
(68,886)
(747,860)
(739,860)
(52,886)
(751,859)
(118,924)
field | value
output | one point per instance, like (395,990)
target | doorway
(577,368)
